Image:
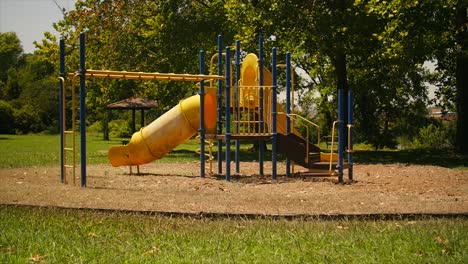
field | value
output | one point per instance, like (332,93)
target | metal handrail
(293,116)
(308,121)
(350,145)
(332,143)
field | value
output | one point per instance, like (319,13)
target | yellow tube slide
(165,133)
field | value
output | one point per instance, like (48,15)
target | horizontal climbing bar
(105,74)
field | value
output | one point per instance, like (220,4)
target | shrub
(53,128)
(119,129)
(95,127)
(432,136)
(6,118)
(27,120)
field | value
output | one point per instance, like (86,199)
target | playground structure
(251,112)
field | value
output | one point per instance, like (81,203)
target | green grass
(443,158)
(44,150)
(72,236)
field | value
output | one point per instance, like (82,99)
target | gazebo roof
(134,103)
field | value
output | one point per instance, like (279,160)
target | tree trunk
(105,125)
(462,78)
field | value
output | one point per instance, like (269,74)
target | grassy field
(70,236)
(44,150)
(38,235)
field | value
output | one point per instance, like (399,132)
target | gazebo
(134,104)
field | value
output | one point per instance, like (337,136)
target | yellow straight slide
(165,133)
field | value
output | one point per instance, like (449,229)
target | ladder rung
(69,149)
(69,166)
(68,132)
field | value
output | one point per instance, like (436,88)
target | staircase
(295,148)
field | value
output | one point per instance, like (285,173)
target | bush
(95,127)
(404,142)
(27,120)
(53,128)
(6,118)
(119,129)
(432,136)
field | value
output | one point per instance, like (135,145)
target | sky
(31,18)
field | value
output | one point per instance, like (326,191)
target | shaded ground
(176,187)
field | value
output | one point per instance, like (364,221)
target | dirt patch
(177,187)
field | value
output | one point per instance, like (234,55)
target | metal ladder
(66,132)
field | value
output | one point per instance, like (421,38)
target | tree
(28,94)
(342,44)
(10,57)
(38,101)
(153,36)
(6,117)
(461,26)
(375,47)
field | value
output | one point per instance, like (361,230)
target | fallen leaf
(91,234)
(441,240)
(37,258)
(152,251)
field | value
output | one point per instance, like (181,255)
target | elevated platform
(265,137)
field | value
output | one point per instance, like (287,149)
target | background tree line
(28,97)
(376,48)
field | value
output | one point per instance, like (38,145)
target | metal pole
(228,114)
(288,106)
(61,91)
(82,72)
(260,107)
(220,104)
(350,131)
(133,120)
(273,115)
(340,134)
(236,111)
(202,116)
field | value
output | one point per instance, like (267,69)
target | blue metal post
(350,131)
(273,115)
(202,116)
(228,114)
(61,91)
(260,107)
(340,134)
(288,105)
(236,111)
(82,72)
(220,104)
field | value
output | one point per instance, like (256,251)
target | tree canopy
(376,48)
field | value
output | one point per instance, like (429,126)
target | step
(322,165)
